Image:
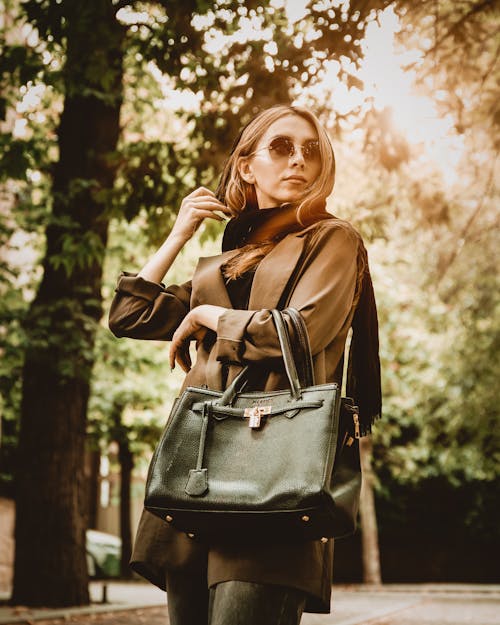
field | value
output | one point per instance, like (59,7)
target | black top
(239,289)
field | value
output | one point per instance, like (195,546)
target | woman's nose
(297,158)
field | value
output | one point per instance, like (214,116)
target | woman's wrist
(156,268)
(177,238)
(208,315)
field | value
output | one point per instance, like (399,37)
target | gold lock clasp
(254,415)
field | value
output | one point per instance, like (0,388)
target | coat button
(324,540)
(190,535)
(305,518)
(169,518)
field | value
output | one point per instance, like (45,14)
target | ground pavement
(427,604)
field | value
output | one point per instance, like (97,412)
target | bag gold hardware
(305,518)
(254,415)
(355,417)
(190,535)
(169,519)
(324,540)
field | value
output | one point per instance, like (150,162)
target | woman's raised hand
(195,207)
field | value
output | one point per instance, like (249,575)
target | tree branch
(463,235)
(452,30)
(488,71)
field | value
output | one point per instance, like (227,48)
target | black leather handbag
(256,466)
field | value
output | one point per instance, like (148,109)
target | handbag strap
(286,350)
(290,365)
(301,346)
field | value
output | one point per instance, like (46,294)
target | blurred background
(111,112)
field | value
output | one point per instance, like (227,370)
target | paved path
(351,605)
(414,606)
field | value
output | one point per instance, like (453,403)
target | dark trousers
(231,603)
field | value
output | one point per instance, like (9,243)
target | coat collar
(208,283)
(271,276)
(274,272)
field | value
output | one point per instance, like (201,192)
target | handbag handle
(286,350)
(240,380)
(197,482)
(302,347)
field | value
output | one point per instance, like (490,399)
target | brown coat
(324,295)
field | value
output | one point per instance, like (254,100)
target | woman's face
(284,163)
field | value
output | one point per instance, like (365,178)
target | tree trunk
(51,520)
(126,460)
(369,530)
(120,434)
(93,479)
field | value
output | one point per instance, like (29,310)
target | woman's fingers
(201,191)
(181,355)
(205,198)
(209,205)
(171,356)
(179,347)
(200,204)
(205,214)
(184,358)
(199,334)
(175,346)
(176,354)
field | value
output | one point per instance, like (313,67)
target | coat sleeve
(147,310)
(324,296)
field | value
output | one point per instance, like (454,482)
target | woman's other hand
(188,330)
(195,207)
(194,326)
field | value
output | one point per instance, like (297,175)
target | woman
(274,186)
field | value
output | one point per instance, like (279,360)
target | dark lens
(282,146)
(310,150)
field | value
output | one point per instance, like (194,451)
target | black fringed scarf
(363,373)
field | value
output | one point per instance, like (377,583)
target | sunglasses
(284,147)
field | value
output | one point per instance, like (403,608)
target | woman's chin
(291,198)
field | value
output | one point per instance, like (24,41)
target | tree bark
(369,529)
(126,460)
(93,479)
(120,433)
(51,519)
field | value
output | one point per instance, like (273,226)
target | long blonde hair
(239,196)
